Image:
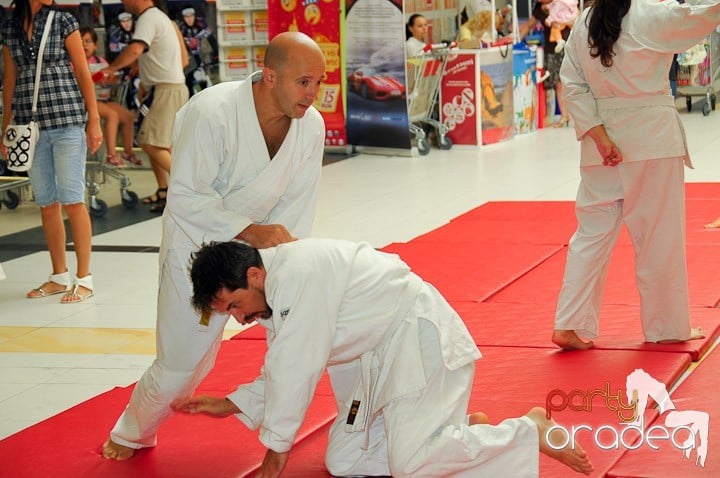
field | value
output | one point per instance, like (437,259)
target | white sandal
(72,296)
(62,279)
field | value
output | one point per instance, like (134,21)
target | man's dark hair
(220,265)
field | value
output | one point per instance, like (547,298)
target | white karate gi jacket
(222,180)
(632,98)
(222,177)
(335,302)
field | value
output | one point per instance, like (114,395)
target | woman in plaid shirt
(65,100)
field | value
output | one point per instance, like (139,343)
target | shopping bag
(20,141)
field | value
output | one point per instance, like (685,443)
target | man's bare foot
(696,333)
(569,340)
(713,225)
(115,451)
(572,455)
(478,418)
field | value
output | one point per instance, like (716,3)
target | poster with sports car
(375,68)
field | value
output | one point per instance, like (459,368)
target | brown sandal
(159,195)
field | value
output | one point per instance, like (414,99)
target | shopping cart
(13,189)
(424,73)
(698,73)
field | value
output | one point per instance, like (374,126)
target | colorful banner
(524,88)
(458,92)
(319,19)
(375,57)
(496,85)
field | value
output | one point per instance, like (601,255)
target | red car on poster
(371,84)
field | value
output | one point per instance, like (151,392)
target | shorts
(157,127)
(58,168)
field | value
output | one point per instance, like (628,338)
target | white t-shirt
(162,61)
(414,47)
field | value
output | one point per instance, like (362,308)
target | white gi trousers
(649,198)
(426,434)
(186,353)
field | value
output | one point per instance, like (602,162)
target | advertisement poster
(458,93)
(375,58)
(496,86)
(524,88)
(319,19)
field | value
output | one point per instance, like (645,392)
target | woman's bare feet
(115,451)
(478,418)
(573,457)
(696,333)
(569,340)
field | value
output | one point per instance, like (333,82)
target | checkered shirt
(60,103)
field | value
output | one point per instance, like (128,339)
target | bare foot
(569,340)
(48,288)
(572,455)
(115,451)
(713,225)
(696,333)
(478,418)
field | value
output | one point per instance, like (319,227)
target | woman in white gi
(633,150)
(246,165)
(400,360)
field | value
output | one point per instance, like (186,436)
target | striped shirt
(60,103)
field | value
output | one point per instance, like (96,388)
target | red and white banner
(458,98)
(319,19)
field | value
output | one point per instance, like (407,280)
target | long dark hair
(410,23)
(22,14)
(603,22)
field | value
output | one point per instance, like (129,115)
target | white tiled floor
(54,356)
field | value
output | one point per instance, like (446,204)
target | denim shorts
(58,168)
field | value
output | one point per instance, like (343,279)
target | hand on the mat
(273,464)
(265,235)
(218,407)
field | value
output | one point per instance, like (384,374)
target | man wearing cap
(194,31)
(159,49)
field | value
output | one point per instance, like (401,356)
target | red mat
(509,223)
(68,444)
(542,284)
(619,326)
(698,392)
(699,213)
(510,381)
(471,271)
(702,191)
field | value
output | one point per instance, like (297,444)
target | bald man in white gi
(246,166)
(633,148)
(400,359)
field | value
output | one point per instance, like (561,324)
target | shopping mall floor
(54,356)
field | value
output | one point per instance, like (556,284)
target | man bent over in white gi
(400,360)
(246,165)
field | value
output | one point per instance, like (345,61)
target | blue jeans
(58,168)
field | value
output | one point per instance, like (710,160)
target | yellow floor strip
(80,340)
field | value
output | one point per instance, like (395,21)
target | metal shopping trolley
(13,189)
(97,170)
(698,73)
(424,73)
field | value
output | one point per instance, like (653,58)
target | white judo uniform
(400,360)
(646,191)
(222,181)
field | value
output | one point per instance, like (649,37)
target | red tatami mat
(542,284)
(68,444)
(702,191)
(470,271)
(531,325)
(699,392)
(509,223)
(511,381)
(699,213)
